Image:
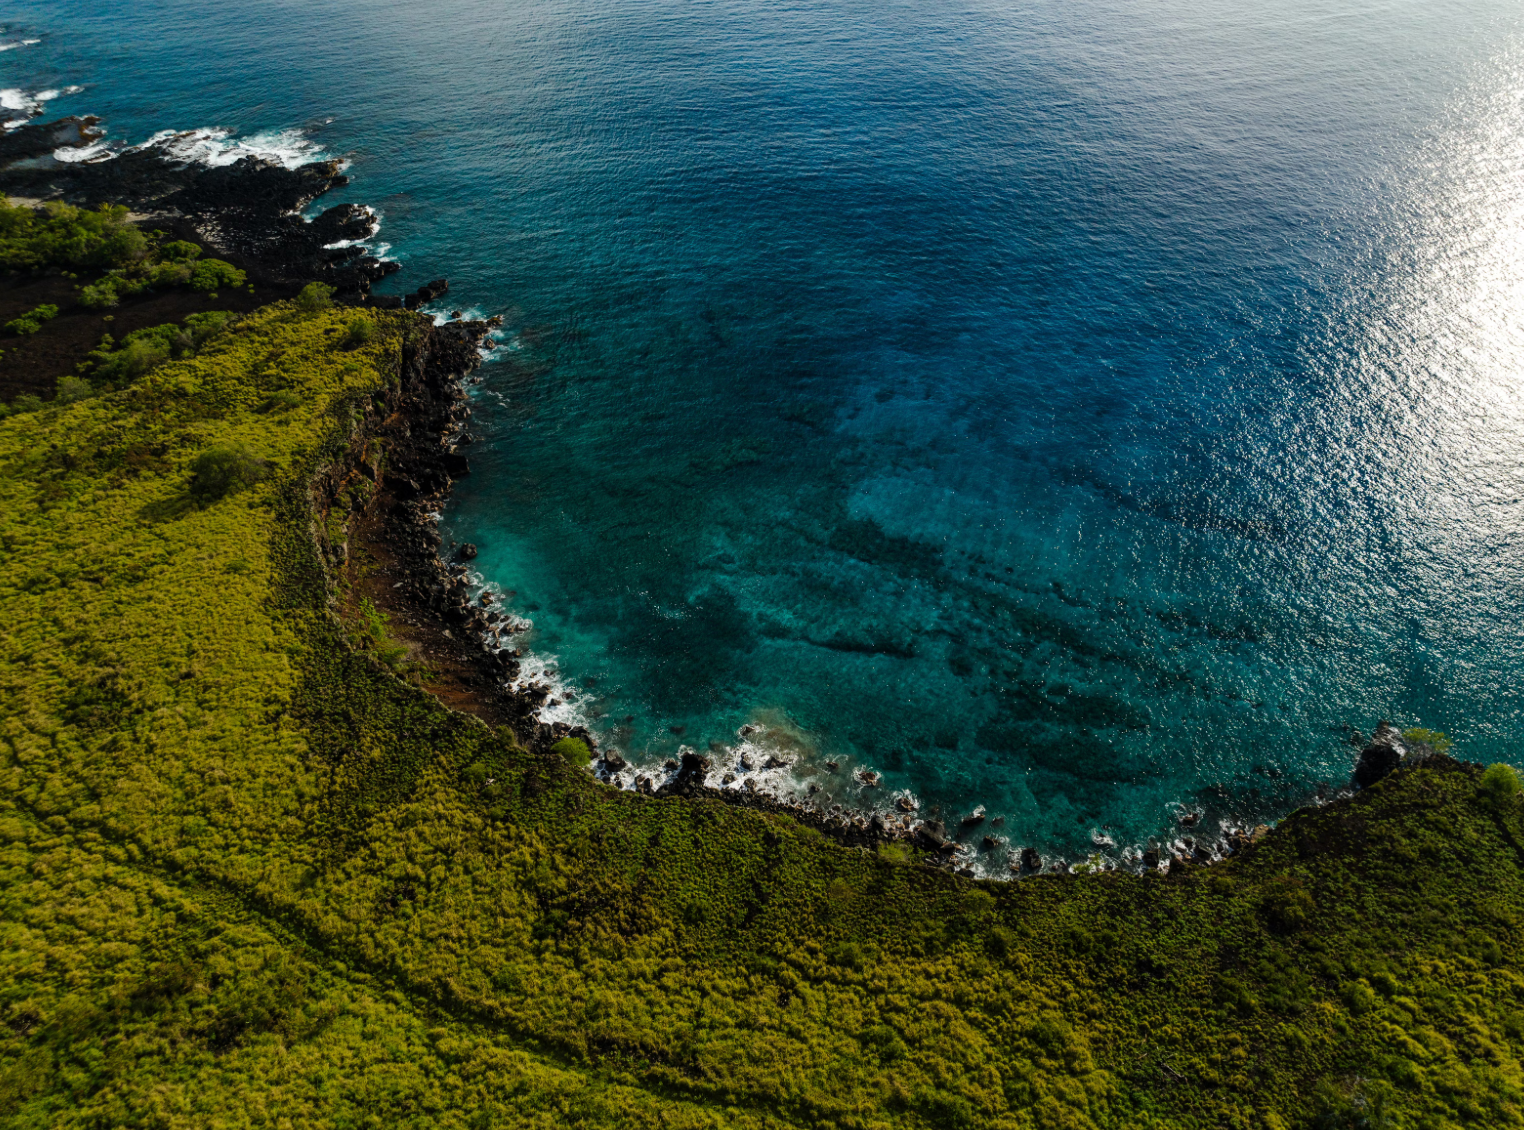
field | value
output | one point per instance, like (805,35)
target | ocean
(1093,412)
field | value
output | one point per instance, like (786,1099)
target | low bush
(281,400)
(1434,739)
(110,289)
(71,389)
(214,274)
(31,321)
(360,332)
(179,251)
(115,364)
(26,402)
(895,852)
(1288,906)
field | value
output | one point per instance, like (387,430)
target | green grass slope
(250,877)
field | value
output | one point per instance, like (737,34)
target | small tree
(315,296)
(71,389)
(223,470)
(1499,787)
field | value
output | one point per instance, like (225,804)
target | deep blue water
(1079,409)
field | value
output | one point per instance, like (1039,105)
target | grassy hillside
(251,877)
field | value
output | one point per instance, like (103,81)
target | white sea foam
(218,146)
(364,241)
(14,98)
(21,103)
(97,151)
(377,249)
(443,310)
(15,43)
(29,104)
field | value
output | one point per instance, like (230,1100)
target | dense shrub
(573,750)
(110,289)
(179,251)
(59,235)
(1434,739)
(1288,906)
(223,470)
(281,400)
(174,273)
(214,274)
(115,363)
(26,402)
(360,332)
(1499,786)
(71,389)
(895,852)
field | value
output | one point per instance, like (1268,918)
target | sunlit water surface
(1079,409)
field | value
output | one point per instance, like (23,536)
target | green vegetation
(1435,740)
(210,274)
(248,876)
(115,364)
(207,275)
(1499,788)
(31,321)
(315,296)
(895,852)
(63,237)
(360,332)
(223,470)
(375,637)
(574,750)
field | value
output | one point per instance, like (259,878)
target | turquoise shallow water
(1081,410)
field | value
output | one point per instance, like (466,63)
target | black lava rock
(1376,761)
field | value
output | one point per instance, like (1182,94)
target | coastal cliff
(259,870)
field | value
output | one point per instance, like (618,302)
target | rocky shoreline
(251,209)
(427,441)
(413,457)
